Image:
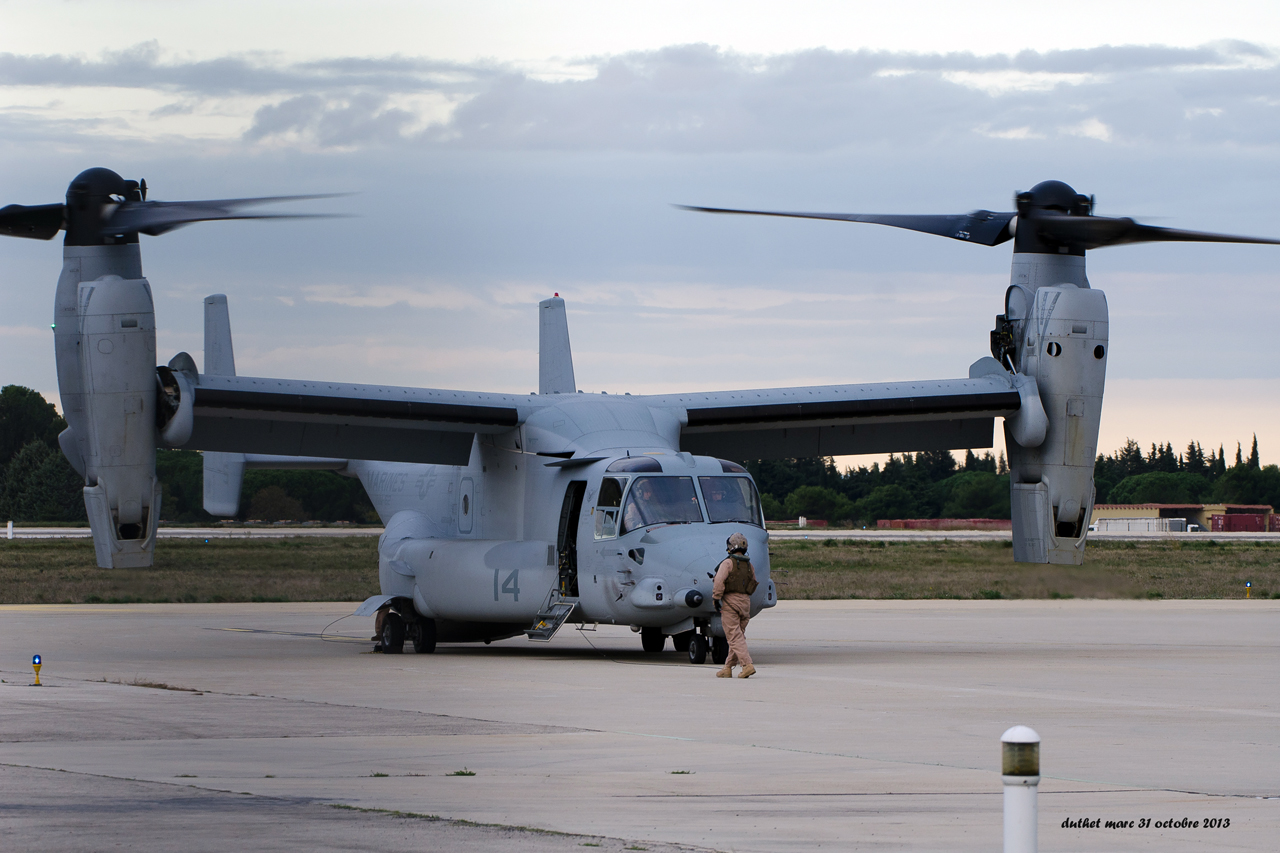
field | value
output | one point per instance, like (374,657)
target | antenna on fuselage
(555,358)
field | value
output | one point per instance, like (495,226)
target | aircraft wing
(839,420)
(245,414)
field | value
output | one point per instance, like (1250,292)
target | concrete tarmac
(870,725)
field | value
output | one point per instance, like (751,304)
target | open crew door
(567,542)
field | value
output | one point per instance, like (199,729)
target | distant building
(1218,518)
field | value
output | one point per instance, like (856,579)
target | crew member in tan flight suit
(735,581)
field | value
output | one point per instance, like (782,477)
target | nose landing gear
(719,650)
(652,640)
(697,649)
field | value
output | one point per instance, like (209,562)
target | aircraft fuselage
(600,507)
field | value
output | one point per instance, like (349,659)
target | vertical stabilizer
(555,359)
(223,472)
(219,360)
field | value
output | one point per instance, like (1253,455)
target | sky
(499,152)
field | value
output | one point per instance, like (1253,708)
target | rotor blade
(979,226)
(1094,232)
(39,221)
(157,217)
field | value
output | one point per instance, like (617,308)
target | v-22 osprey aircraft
(509,513)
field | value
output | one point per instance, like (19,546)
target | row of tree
(932,485)
(929,484)
(38,484)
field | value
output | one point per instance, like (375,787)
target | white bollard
(802,522)
(11,530)
(1020,766)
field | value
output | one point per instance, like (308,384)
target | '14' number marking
(511,585)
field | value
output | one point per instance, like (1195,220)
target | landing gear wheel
(719,650)
(682,640)
(698,649)
(392,634)
(424,639)
(652,639)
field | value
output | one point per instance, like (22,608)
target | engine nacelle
(1061,336)
(106,350)
(175,404)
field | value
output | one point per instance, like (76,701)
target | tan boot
(747,671)
(725,672)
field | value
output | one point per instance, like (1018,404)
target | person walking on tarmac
(734,583)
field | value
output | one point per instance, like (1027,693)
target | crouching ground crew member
(735,581)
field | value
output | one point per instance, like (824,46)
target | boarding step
(551,617)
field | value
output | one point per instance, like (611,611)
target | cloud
(359,120)
(144,66)
(1090,128)
(689,98)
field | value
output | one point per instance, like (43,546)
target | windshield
(730,499)
(661,500)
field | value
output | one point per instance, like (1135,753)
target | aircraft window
(731,499)
(731,467)
(661,500)
(611,492)
(607,507)
(643,464)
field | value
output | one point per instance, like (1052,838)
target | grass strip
(48,571)
(977,570)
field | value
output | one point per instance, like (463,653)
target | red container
(1239,522)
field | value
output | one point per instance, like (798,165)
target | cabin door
(567,541)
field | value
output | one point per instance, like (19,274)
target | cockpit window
(660,500)
(642,464)
(607,507)
(731,499)
(731,467)
(611,492)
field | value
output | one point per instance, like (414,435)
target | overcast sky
(502,151)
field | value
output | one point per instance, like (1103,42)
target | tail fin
(555,358)
(219,360)
(223,472)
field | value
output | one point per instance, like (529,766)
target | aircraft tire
(652,640)
(719,650)
(424,639)
(682,640)
(393,634)
(698,649)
